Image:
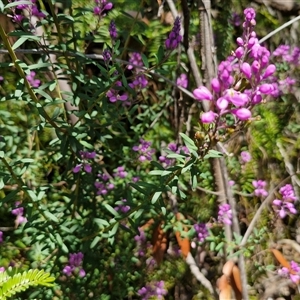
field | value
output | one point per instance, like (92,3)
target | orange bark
(183,243)
(159,243)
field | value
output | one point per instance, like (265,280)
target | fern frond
(9,286)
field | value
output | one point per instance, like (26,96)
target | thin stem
(261,208)
(33,96)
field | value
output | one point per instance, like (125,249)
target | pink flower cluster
(122,207)
(182,81)
(105,185)
(35,83)
(74,267)
(116,93)
(286,54)
(201,233)
(154,289)
(260,188)
(85,156)
(293,272)
(245,156)
(225,214)
(145,151)
(176,149)
(174,37)
(229,93)
(140,81)
(19,213)
(286,205)
(102,6)
(31,8)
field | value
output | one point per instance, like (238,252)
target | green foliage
(10,283)
(100,205)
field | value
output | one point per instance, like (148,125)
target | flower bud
(242,113)
(215,85)
(202,93)
(246,69)
(208,117)
(270,70)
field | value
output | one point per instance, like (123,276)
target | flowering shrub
(100,186)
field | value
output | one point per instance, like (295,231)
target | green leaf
(213,154)
(155,197)
(138,188)
(157,165)
(111,210)
(101,222)
(189,142)
(19,282)
(9,5)
(23,39)
(145,60)
(95,242)
(10,196)
(114,230)
(138,213)
(52,86)
(51,216)
(212,246)
(156,172)
(160,54)
(188,166)
(219,246)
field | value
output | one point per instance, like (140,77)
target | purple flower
(201,232)
(68,270)
(225,214)
(182,81)
(245,156)
(140,82)
(236,19)
(236,98)
(135,60)
(208,117)
(260,188)
(115,94)
(35,83)
(249,14)
(121,172)
(106,56)
(286,205)
(113,30)
(270,70)
(18,212)
(144,150)
(243,114)
(246,69)
(293,272)
(222,104)
(174,38)
(215,85)
(202,93)
(122,207)
(288,193)
(1,237)
(102,7)
(153,289)
(86,166)
(75,259)
(74,267)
